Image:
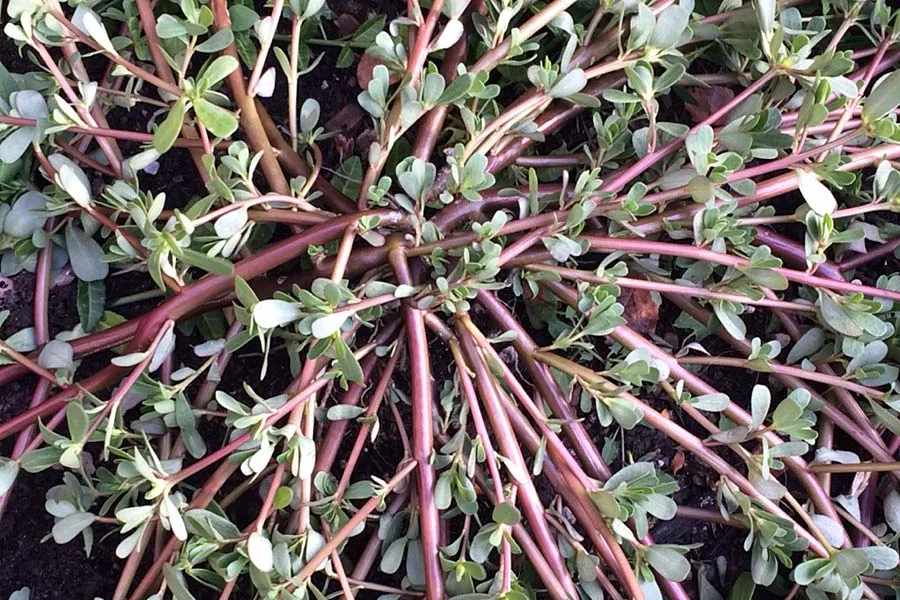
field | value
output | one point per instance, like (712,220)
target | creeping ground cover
(459,299)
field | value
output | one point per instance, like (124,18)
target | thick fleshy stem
(378,395)
(555,589)
(265,46)
(89,344)
(327,449)
(421,394)
(200,292)
(742,363)
(793,254)
(259,263)
(433,122)
(533,552)
(214,483)
(503,433)
(201,500)
(338,565)
(93,117)
(768,189)
(825,441)
(863,84)
(826,428)
(228,589)
(881,251)
(250,120)
(867,504)
(710,516)
(222,453)
(622,178)
(455,213)
(210,384)
(547,387)
(83,159)
(863,467)
(369,554)
(296,166)
(492,57)
(765,190)
(609,244)
(132,564)
(555,445)
(672,288)
(393,125)
(797,465)
(303,416)
(154,45)
(557,449)
(111,407)
(566,484)
(101,132)
(549,123)
(481,430)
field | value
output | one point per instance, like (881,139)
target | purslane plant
(536,175)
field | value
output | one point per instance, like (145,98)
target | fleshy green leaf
(506,514)
(347,362)
(26,215)
(818,197)
(328,325)
(9,469)
(216,42)
(759,405)
(259,549)
(669,563)
(211,264)
(218,70)
(167,131)
(269,314)
(66,529)
(93,26)
(571,83)
(884,98)
(91,302)
(215,118)
(72,179)
(56,354)
(176,583)
(85,255)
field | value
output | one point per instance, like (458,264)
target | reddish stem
(363,434)
(793,253)
(503,432)
(609,244)
(859,260)
(422,427)
(547,387)
(250,119)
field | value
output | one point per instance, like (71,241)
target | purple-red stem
(421,395)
